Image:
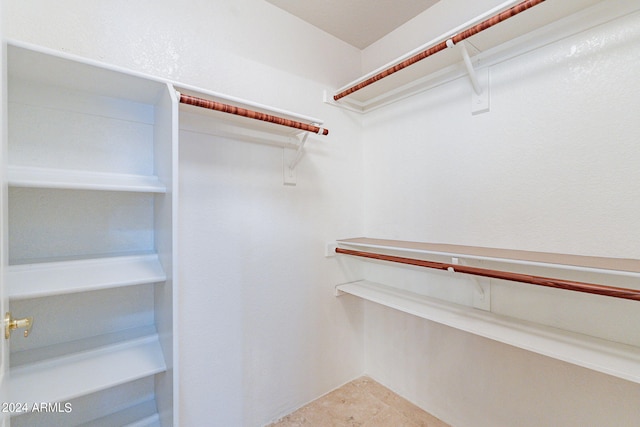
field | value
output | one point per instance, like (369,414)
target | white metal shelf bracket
(299,152)
(289,166)
(479,80)
(482,288)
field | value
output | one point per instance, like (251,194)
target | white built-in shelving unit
(91,170)
(90,163)
(516,314)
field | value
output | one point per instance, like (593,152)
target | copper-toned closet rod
(490,22)
(570,285)
(256,115)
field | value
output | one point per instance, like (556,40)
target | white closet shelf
(542,24)
(615,266)
(59,379)
(55,278)
(600,355)
(35,177)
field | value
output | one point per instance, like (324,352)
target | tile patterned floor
(362,403)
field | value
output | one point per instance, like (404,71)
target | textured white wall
(552,167)
(260,330)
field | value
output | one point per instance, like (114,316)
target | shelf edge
(25,280)
(36,177)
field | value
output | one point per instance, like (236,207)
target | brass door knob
(11,324)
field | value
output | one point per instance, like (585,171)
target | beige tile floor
(363,403)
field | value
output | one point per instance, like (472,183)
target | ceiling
(357,22)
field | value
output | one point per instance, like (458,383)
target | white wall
(552,167)
(260,330)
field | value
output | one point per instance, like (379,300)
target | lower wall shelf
(619,360)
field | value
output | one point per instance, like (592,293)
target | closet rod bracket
(482,287)
(479,79)
(289,166)
(299,152)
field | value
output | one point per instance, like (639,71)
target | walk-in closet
(275,213)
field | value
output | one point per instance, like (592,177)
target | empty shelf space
(609,357)
(54,278)
(65,377)
(57,69)
(34,177)
(123,405)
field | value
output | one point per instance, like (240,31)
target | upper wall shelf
(199,119)
(124,94)
(211,113)
(534,27)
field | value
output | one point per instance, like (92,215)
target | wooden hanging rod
(490,22)
(589,288)
(231,109)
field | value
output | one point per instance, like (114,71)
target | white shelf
(141,415)
(59,69)
(101,129)
(614,266)
(65,377)
(55,278)
(600,355)
(33,177)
